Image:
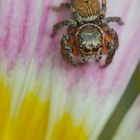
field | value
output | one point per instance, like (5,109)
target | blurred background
(129,97)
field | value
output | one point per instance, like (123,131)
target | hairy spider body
(86,8)
(88,35)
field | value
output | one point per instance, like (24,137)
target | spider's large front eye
(95,49)
(86,49)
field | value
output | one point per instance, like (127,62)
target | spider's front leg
(110,46)
(59,25)
(98,55)
(67,51)
(84,59)
(110,54)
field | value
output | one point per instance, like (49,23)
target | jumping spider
(88,34)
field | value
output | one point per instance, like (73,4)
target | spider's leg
(113,19)
(85,59)
(62,6)
(103,10)
(110,54)
(59,25)
(112,46)
(98,55)
(67,51)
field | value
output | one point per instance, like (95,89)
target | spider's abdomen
(86,8)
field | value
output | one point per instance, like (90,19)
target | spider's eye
(95,49)
(86,50)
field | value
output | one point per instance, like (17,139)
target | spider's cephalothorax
(88,35)
(90,39)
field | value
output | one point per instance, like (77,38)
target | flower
(41,96)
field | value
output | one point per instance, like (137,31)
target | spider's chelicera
(88,35)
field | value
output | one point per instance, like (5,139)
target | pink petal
(88,93)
